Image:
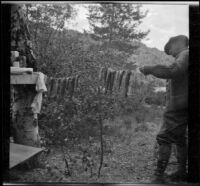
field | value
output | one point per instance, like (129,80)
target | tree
(117,21)
(22,94)
(52,15)
(20,36)
(46,21)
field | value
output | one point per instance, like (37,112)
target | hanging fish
(63,87)
(101,73)
(77,81)
(122,85)
(115,84)
(122,72)
(127,78)
(68,85)
(105,72)
(55,88)
(71,87)
(58,88)
(123,89)
(139,82)
(108,79)
(112,80)
(48,84)
(131,84)
(52,87)
(73,84)
(118,80)
(136,82)
(108,74)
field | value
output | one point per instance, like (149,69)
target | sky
(164,21)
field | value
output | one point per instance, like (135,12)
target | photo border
(194,92)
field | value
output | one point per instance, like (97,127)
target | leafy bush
(158,98)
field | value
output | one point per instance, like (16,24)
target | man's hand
(146,70)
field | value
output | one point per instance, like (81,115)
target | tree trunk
(26,131)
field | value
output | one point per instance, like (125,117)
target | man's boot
(164,152)
(181,173)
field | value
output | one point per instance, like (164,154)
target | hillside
(149,56)
(139,54)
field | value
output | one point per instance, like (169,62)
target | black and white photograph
(98,92)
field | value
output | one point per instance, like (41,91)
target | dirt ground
(130,157)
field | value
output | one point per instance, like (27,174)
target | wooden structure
(21,153)
(23,79)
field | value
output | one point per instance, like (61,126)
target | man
(174,125)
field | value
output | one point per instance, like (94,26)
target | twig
(66,162)
(102,150)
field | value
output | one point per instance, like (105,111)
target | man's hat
(177,39)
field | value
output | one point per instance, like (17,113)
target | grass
(129,153)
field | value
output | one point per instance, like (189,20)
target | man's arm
(180,66)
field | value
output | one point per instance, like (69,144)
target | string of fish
(124,82)
(59,87)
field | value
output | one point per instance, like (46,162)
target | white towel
(40,88)
(40,84)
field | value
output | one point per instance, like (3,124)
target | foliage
(156,99)
(79,118)
(50,15)
(68,52)
(116,21)
(21,38)
(61,52)
(44,20)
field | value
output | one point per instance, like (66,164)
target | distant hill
(140,54)
(149,56)
(144,55)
